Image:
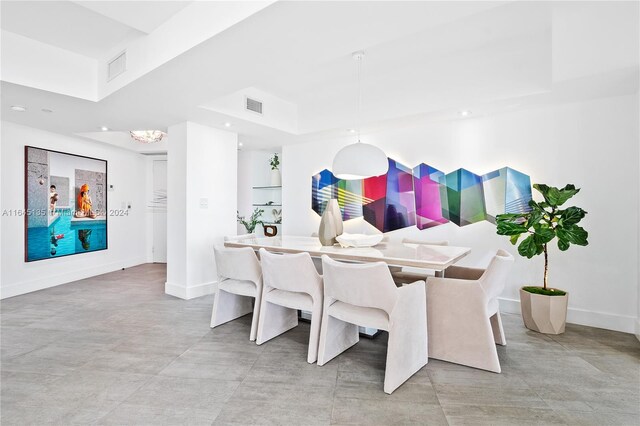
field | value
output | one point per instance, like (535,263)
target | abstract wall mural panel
(506,191)
(427,187)
(423,196)
(462,197)
(66,204)
(326,186)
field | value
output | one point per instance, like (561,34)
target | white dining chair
(239,288)
(406,275)
(291,283)
(464,316)
(364,294)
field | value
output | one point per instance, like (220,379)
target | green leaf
(573,234)
(571,216)
(563,244)
(528,247)
(510,228)
(543,234)
(535,206)
(557,197)
(542,189)
(534,218)
(510,216)
(514,239)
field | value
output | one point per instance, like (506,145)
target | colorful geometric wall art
(506,191)
(427,187)
(462,197)
(424,197)
(326,186)
(390,201)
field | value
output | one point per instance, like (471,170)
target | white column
(201,205)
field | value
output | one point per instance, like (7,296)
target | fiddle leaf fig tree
(546,221)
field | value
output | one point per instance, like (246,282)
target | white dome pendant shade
(359,161)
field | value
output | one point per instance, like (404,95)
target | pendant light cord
(359,102)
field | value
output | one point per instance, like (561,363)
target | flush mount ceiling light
(227,124)
(359,160)
(18,108)
(465,113)
(104,128)
(147,136)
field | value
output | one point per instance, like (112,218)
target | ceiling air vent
(253,105)
(117,66)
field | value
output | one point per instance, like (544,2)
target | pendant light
(359,160)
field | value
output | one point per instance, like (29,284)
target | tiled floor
(115,349)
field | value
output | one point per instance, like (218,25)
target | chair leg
(335,337)
(274,320)
(314,333)
(407,346)
(256,315)
(498,330)
(229,306)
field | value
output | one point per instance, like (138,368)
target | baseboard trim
(190,292)
(625,324)
(24,287)
(638,329)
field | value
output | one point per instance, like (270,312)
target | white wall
(254,170)
(202,166)
(592,144)
(126,234)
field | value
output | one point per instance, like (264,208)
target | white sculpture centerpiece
(331,223)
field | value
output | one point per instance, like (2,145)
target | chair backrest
(367,285)
(430,243)
(495,276)
(238,264)
(290,272)
(239,237)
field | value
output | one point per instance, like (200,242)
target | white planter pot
(276,179)
(544,314)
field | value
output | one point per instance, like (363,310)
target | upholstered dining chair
(239,288)
(464,316)
(291,282)
(408,275)
(364,294)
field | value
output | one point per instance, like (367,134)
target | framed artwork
(65,204)
(423,196)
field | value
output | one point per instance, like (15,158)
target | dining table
(394,253)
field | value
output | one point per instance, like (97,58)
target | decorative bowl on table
(359,240)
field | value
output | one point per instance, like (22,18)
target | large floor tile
(114,349)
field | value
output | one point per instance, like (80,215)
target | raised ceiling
(424,61)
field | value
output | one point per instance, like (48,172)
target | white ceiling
(424,61)
(144,16)
(95,29)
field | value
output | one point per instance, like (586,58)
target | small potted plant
(274,162)
(544,309)
(253,221)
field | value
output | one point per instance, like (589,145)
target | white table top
(393,253)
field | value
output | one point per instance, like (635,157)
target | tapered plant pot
(544,314)
(276,178)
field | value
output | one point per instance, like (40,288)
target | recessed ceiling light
(465,113)
(227,124)
(47,110)
(240,144)
(104,128)
(351,130)
(18,108)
